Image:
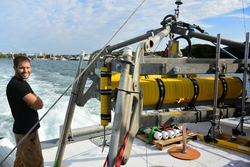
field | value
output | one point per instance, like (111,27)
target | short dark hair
(19,59)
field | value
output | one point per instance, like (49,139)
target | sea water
(49,80)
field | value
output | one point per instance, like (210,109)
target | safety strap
(118,162)
(151,135)
(196,92)
(225,88)
(106,161)
(161,93)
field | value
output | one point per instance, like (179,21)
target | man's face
(23,70)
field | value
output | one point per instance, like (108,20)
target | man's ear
(14,67)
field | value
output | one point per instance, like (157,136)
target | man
(24,104)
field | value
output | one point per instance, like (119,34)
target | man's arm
(33,101)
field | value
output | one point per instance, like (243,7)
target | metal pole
(216,84)
(244,83)
(184,138)
(129,42)
(153,40)
(68,118)
(119,112)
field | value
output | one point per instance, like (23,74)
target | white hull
(86,153)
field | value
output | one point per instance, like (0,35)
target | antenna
(177,2)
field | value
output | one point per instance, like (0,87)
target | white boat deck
(86,153)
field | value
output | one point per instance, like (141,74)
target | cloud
(238,16)
(69,26)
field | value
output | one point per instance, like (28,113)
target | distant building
(53,57)
(37,56)
(25,54)
(49,56)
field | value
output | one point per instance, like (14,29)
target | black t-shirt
(24,117)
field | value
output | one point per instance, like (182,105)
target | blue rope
(157,46)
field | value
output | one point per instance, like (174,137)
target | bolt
(176,69)
(213,69)
(118,66)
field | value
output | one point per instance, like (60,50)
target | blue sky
(69,26)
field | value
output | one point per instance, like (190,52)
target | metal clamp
(225,88)
(161,93)
(196,92)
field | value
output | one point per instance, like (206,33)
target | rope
(244,16)
(223,49)
(146,149)
(118,162)
(157,46)
(88,119)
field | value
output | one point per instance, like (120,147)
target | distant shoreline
(12,59)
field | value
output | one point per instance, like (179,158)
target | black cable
(129,92)
(189,44)
(164,21)
(104,60)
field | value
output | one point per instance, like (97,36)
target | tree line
(197,51)
(207,51)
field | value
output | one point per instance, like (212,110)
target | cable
(223,49)
(146,149)
(88,119)
(73,82)
(157,46)
(189,44)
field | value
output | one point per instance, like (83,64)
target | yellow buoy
(105,96)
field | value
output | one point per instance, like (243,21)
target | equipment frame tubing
(127,111)
(166,118)
(129,42)
(154,40)
(119,114)
(213,39)
(244,82)
(216,83)
(68,119)
(127,120)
